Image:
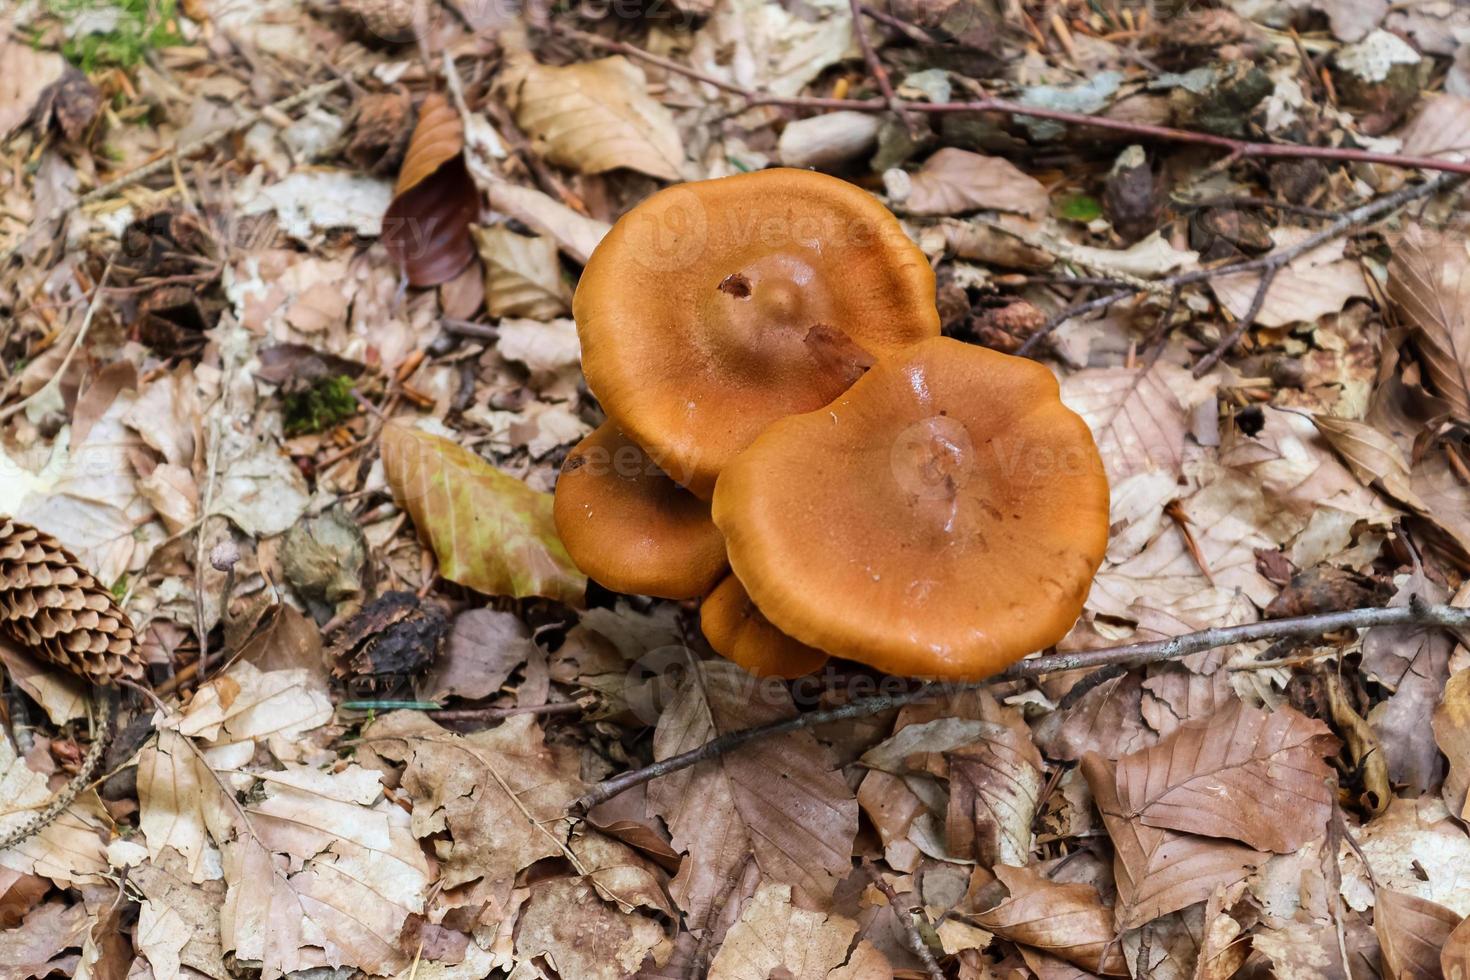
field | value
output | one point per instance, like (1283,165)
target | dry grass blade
(1244,773)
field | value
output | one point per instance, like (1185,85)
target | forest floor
(242,383)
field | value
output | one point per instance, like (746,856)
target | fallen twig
(1268,265)
(1152,651)
(906,919)
(1235,149)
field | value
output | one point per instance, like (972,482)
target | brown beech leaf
(484,646)
(1065,920)
(781,800)
(1455,959)
(427,227)
(597,116)
(501,794)
(1414,663)
(1107,720)
(1411,932)
(1160,871)
(954,181)
(1373,457)
(1452,732)
(1134,415)
(994,786)
(1244,773)
(774,938)
(522,274)
(489,530)
(584,937)
(1429,283)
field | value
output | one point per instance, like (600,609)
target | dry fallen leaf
(179,920)
(1413,662)
(1411,932)
(489,530)
(775,938)
(1244,773)
(1429,284)
(1455,959)
(597,116)
(566,922)
(781,800)
(1310,287)
(1413,847)
(1160,871)
(1452,732)
(954,181)
(37,948)
(1065,920)
(522,274)
(501,794)
(995,783)
(484,646)
(427,227)
(28,71)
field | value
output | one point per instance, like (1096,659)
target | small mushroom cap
(943,518)
(630,527)
(737,631)
(713,308)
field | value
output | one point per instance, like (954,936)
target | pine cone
(52,605)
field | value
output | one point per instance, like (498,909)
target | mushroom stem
(1133,654)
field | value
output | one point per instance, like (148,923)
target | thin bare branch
(1415,614)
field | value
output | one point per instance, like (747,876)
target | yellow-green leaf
(490,531)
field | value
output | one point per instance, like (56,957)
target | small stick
(1151,651)
(906,918)
(875,66)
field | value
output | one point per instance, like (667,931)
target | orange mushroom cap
(944,517)
(738,631)
(713,308)
(630,527)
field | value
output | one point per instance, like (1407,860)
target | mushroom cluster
(789,439)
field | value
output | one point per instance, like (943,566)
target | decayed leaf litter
(278,832)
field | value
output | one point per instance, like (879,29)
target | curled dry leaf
(1429,284)
(522,274)
(781,800)
(1160,871)
(1411,933)
(995,784)
(427,227)
(775,938)
(1065,920)
(1452,732)
(490,531)
(597,116)
(1244,773)
(1374,458)
(954,181)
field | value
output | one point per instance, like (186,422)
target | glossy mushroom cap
(713,308)
(737,631)
(942,518)
(630,527)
